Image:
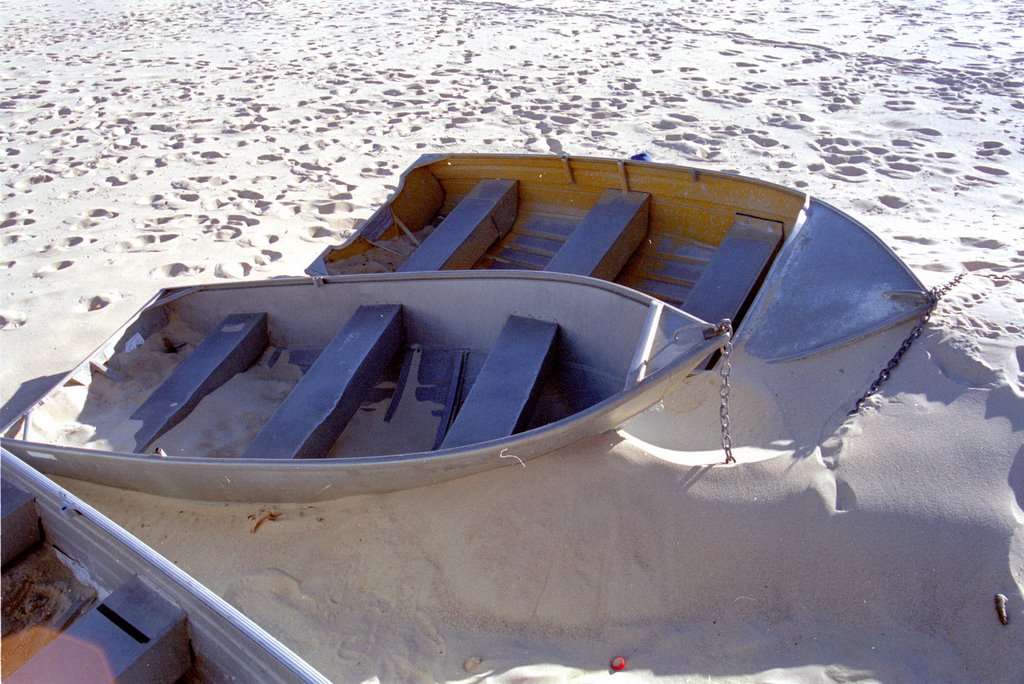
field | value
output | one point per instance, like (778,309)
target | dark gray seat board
(135,635)
(606,237)
(19,526)
(483,216)
(735,269)
(316,411)
(235,345)
(501,399)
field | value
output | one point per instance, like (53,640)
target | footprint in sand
(176,270)
(238,219)
(11,319)
(226,234)
(13,218)
(992,148)
(97,302)
(983,243)
(25,183)
(918,240)
(992,171)
(233,270)
(66,243)
(14,238)
(763,141)
(258,241)
(50,269)
(117,182)
(143,243)
(892,202)
(267,257)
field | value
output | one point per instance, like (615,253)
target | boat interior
(699,240)
(371,366)
(56,626)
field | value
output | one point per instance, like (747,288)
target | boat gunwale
(208,614)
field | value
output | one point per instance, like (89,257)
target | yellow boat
(716,244)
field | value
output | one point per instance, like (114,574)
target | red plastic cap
(618,663)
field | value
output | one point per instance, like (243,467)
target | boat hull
(653,349)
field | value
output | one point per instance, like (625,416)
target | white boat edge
(241,649)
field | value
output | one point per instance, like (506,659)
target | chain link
(725,369)
(725,365)
(934,296)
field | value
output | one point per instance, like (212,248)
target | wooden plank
(235,345)
(606,237)
(316,411)
(501,400)
(738,265)
(482,217)
(135,635)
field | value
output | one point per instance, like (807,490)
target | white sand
(160,143)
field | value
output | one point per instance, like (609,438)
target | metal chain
(934,296)
(725,369)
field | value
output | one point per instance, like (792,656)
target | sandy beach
(171,142)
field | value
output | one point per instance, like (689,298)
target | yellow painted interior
(686,204)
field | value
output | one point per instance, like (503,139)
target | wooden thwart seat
(485,215)
(733,272)
(235,345)
(134,635)
(319,407)
(606,237)
(501,399)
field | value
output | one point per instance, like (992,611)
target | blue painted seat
(319,407)
(606,237)
(501,399)
(231,348)
(737,266)
(485,215)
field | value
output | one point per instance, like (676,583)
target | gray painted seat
(734,270)
(606,237)
(485,215)
(19,528)
(231,348)
(134,635)
(319,407)
(501,400)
